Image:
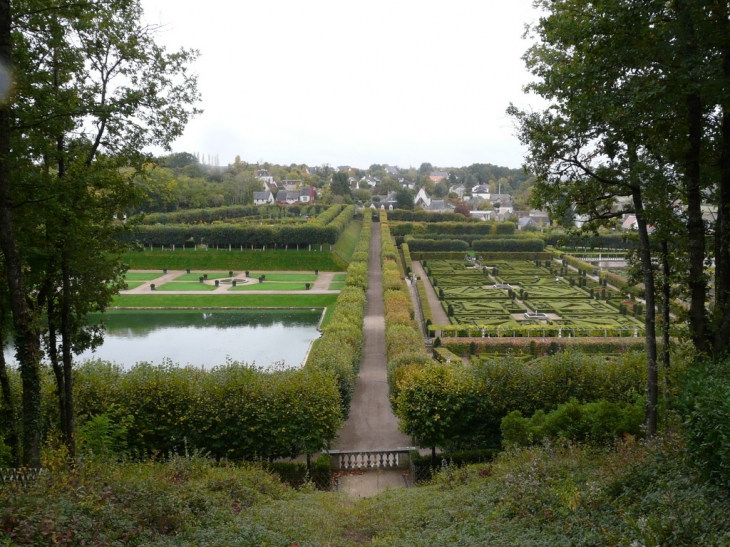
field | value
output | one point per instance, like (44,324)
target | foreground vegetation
(635,494)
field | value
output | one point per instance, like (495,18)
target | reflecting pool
(205,338)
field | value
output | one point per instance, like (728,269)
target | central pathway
(372,424)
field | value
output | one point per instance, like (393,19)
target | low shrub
(600,422)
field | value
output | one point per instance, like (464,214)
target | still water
(205,338)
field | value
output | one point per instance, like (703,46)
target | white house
(422,199)
(263,174)
(481,191)
(263,198)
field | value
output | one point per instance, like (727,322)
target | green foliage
(233,411)
(600,422)
(509,245)
(434,245)
(704,404)
(272,260)
(204,216)
(339,350)
(491,389)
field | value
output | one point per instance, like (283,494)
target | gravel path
(439,315)
(372,424)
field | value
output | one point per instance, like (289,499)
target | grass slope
(235,260)
(543,497)
(224,300)
(345,246)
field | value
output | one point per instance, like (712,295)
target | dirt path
(372,424)
(439,315)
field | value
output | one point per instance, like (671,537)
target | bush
(704,404)
(599,422)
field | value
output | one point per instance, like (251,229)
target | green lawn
(239,261)
(286,277)
(134,284)
(345,246)
(336,286)
(269,286)
(141,276)
(225,300)
(196,276)
(185,286)
(339,277)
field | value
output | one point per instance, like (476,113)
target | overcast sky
(398,82)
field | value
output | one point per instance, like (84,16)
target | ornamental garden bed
(567,301)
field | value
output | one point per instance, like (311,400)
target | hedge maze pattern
(572,306)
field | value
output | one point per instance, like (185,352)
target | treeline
(247,235)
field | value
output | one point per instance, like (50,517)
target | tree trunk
(70,425)
(8,405)
(722,230)
(666,302)
(652,391)
(55,365)
(27,343)
(693,185)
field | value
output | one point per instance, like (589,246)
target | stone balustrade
(371,459)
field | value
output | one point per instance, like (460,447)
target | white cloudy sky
(341,82)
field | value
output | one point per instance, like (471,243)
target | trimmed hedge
(339,350)
(207,215)
(541,347)
(247,235)
(233,411)
(405,249)
(509,245)
(426,216)
(481,255)
(403,339)
(432,245)
(454,228)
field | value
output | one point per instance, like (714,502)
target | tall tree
(92,91)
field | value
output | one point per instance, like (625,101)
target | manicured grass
(345,246)
(224,300)
(336,286)
(269,286)
(286,277)
(339,277)
(196,276)
(134,284)
(239,261)
(141,276)
(185,286)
